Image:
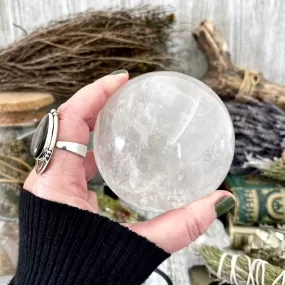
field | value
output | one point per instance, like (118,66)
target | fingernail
(224,205)
(120,71)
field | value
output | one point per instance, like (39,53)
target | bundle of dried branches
(69,54)
(256,105)
(228,80)
(239,269)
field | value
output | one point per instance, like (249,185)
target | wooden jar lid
(18,108)
(24,101)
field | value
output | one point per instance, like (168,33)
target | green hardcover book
(259,201)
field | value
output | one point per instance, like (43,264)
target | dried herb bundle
(15,165)
(239,269)
(272,168)
(114,210)
(259,130)
(69,54)
(228,80)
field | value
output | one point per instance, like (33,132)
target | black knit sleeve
(60,244)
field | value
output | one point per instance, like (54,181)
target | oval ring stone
(39,137)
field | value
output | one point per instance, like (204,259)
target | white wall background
(254,30)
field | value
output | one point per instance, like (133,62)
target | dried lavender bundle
(259,130)
(67,55)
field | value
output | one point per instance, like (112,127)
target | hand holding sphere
(65,179)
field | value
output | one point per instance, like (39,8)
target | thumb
(175,229)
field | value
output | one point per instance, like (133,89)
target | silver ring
(76,148)
(42,155)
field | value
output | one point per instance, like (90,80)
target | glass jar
(19,115)
(9,240)
(15,165)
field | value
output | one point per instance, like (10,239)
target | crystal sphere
(162,140)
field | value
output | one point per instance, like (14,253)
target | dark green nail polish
(224,205)
(121,71)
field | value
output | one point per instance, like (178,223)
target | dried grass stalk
(69,54)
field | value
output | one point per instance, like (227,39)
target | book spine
(259,206)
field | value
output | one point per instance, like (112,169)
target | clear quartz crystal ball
(162,140)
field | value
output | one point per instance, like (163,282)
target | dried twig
(69,54)
(228,80)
